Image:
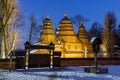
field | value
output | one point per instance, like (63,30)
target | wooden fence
(18,63)
(88,61)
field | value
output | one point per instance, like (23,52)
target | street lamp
(96,42)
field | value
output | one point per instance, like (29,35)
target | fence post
(52,47)
(27,50)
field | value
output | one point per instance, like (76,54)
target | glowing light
(59,42)
(57,32)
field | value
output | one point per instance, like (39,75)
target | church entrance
(50,60)
(43,60)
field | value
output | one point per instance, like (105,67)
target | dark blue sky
(94,10)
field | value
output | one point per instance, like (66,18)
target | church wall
(73,47)
(58,48)
(73,55)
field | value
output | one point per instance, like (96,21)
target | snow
(65,73)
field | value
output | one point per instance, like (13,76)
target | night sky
(94,10)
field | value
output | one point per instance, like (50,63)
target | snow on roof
(33,51)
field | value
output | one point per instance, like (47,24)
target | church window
(75,46)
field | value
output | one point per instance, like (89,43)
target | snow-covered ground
(66,73)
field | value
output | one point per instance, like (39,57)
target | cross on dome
(65,14)
(81,22)
(47,16)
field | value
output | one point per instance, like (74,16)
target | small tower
(83,37)
(47,36)
(82,33)
(47,32)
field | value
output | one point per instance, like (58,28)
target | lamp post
(52,47)
(96,42)
(27,50)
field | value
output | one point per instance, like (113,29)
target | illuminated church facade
(65,39)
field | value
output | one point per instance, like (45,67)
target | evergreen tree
(95,30)
(118,35)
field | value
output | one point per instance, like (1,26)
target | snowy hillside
(66,73)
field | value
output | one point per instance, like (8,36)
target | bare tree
(32,25)
(15,32)
(77,19)
(8,10)
(108,33)
(34,30)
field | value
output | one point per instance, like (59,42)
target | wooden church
(66,41)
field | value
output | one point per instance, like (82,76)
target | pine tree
(95,30)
